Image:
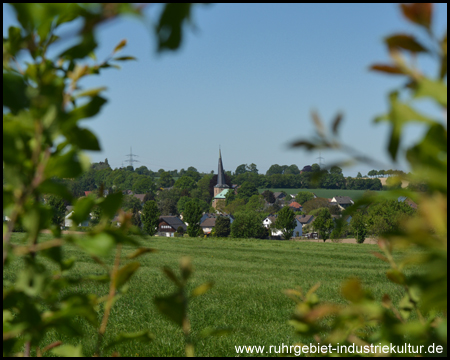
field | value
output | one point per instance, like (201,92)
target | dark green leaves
(14,95)
(172,306)
(125,273)
(405,42)
(110,204)
(90,109)
(143,336)
(81,50)
(169,28)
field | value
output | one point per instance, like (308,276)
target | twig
(108,305)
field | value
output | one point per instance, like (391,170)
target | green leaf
(63,166)
(200,290)
(82,209)
(436,90)
(418,13)
(171,275)
(91,92)
(173,307)
(52,187)
(125,273)
(99,244)
(110,204)
(169,28)
(124,58)
(405,307)
(396,276)
(140,252)
(142,336)
(215,332)
(90,109)
(120,45)
(14,40)
(81,50)
(14,95)
(83,138)
(68,351)
(406,42)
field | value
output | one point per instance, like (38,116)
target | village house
(342,201)
(305,219)
(168,225)
(270,220)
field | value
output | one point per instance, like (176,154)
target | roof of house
(173,221)
(86,193)
(222,194)
(271,218)
(140,197)
(343,199)
(69,208)
(208,222)
(295,204)
(278,194)
(408,201)
(304,219)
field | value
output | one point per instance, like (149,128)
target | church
(221,189)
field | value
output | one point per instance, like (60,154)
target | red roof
(295,205)
(86,193)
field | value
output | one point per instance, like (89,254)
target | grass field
(249,277)
(326,193)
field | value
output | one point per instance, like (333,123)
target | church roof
(222,194)
(221,183)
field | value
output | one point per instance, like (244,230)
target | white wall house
(268,221)
(68,221)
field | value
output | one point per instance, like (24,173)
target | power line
(320,159)
(131,160)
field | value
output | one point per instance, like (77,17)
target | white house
(68,222)
(268,221)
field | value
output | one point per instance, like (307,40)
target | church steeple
(221,182)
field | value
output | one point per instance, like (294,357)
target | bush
(222,228)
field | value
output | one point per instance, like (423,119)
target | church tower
(221,183)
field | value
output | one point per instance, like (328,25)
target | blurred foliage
(420,318)
(43,143)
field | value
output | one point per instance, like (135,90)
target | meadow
(249,276)
(325,193)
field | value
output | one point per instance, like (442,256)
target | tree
(241,169)
(303,196)
(268,196)
(131,203)
(323,223)
(274,169)
(192,215)
(165,180)
(372,173)
(248,224)
(315,168)
(143,185)
(255,203)
(167,201)
(314,203)
(358,224)
(336,170)
(222,227)
(58,207)
(150,217)
(252,168)
(292,170)
(359,175)
(185,183)
(285,222)
(246,191)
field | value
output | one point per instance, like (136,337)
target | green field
(249,277)
(325,193)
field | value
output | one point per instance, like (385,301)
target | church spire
(221,182)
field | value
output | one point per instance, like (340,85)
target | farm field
(325,193)
(249,277)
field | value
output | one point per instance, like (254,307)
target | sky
(247,78)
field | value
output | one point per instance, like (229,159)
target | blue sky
(247,78)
